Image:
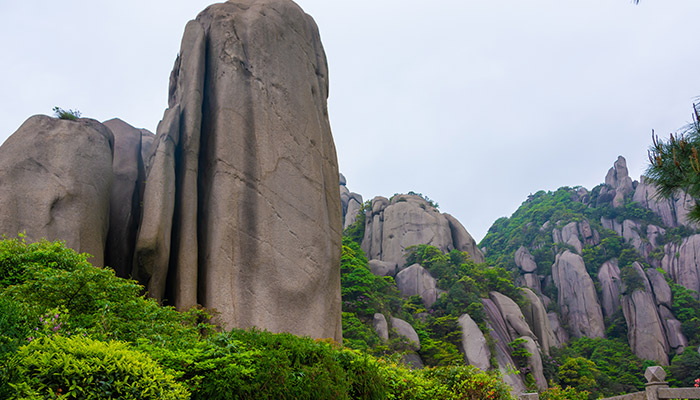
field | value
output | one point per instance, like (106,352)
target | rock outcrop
(673,211)
(405,330)
(407,220)
(474,347)
(242,211)
(609,278)
(381,326)
(645,330)
(416,280)
(618,183)
(515,321)
(125,200)
(536,316)
(525,261)
(577,296)
(351,202)
(55,183)
(682,263)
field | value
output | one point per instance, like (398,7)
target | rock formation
(416,280)
(241,206)
(682,262)
(125,200)
(405,330)
(474,347)
(645,330)
(618,183)
(577,296)
(536,316)
(407,220)
(351,202)
(609,278)
(381,326)
(55,183)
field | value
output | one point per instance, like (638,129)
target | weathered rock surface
(536,316)
(382,268)
(55,183)
(568,235)
(674,334)
(531,281)
(609,278)
(499,332)
(512,315)
(661,289)
(405,329)
(618,182)
(351,202)
(673,211)
(525,261)
(125,200)
(474,347)
(577,296)
(645,330)
(407,220)
(416,280)
(381,326)
(559,331)
(534,362)
(242,211)
(682,262)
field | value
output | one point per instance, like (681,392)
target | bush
(77,367)
(71,115)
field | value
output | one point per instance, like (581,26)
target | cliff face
(407,220)
(591,244)
(233,205)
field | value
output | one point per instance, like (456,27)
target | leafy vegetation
(69,329)
(71,115)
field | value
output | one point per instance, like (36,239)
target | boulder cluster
(232,204)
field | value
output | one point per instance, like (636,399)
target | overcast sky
(475,103)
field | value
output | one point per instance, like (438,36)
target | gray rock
(409,220)
(55,183)
(381,326)
(534,362)
(416,280)
(512,315)
(673,211)
(536,316)
(524,260)
(609,278)
(568,235)
(561,334)
(619,180)
(661,289)
(474,347)
(674,334)
(645,330)
(499,332)
(462,240)
(405,330)
(682,262)
(412,360)
(125,199)
(653,234)
(577,296)
(382,268)
(350,216)
(531,281)
(251,194)
(342,180)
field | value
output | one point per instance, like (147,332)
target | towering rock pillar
(243,213)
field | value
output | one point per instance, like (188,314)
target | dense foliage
(70,329)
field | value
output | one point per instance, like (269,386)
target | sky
(474,103)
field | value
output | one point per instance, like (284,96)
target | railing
(656,389)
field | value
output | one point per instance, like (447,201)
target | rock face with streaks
(474,347)
(609,278)
(645,329)
(406,220)
(351,202)
(242,211)
(536,316)
(55,183)
(577,296)
(125,200)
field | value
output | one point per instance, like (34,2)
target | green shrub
(82,368)
(66,114)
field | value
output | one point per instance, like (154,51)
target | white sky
(475,103)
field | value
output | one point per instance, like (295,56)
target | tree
(674,164)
